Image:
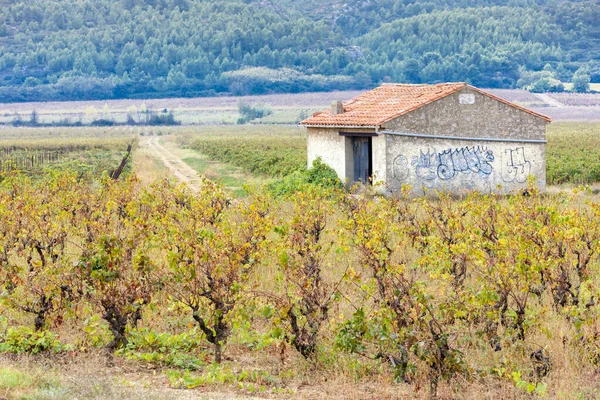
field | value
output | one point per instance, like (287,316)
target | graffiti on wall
(515,167)
(449,163)
(465,160)
(432,165)
(400,168)
(426,165)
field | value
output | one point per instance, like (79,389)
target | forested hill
(101,49)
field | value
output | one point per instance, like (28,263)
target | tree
(539,82)
(581,81)
(412,70)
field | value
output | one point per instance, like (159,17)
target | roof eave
(340,126)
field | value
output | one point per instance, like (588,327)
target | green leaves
(351,333)
(211,248)
(422,289)
(277,156)
(24,340)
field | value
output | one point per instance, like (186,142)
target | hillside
(103,49)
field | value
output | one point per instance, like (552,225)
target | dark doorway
(363,165)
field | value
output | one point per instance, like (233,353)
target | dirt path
(176,165)
(549,100)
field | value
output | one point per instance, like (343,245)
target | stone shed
(449,137)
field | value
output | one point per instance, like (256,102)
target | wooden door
(362,159)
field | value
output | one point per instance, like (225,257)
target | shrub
(103,122)
(249,112)
(165,348)
(302,260)
(581,81)
(165,118)
(320,174)
(212,247)
(23,340)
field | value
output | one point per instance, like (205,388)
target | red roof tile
(390,101)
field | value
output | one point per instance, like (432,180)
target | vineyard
(425,297)
(268,151)
(28,161)
(88,151)
(573,151)
(298,289)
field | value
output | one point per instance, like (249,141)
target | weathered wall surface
(379,159)
(460,166)
(468,113)
(430,163)
(336,151)
(330,146)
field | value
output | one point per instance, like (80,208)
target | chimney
(337,107)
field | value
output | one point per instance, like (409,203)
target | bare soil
(577,99)
(576,107)
(183,172)
(200,103)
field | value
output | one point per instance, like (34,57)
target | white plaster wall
(330,146)
(460,166)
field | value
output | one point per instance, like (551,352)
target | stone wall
(380,158)
(460,166)
(468,113)
(427,163)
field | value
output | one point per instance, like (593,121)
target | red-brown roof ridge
(391,100)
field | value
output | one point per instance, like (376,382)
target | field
(88,151)
(271,151)
(573,151)
(287,109)
(139,288)
(577,99)
(193,111)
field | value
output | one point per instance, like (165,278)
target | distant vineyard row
(88,155)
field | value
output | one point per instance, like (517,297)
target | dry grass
(146,166)
(86,378)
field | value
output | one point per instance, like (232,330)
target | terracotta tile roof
(390,101)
